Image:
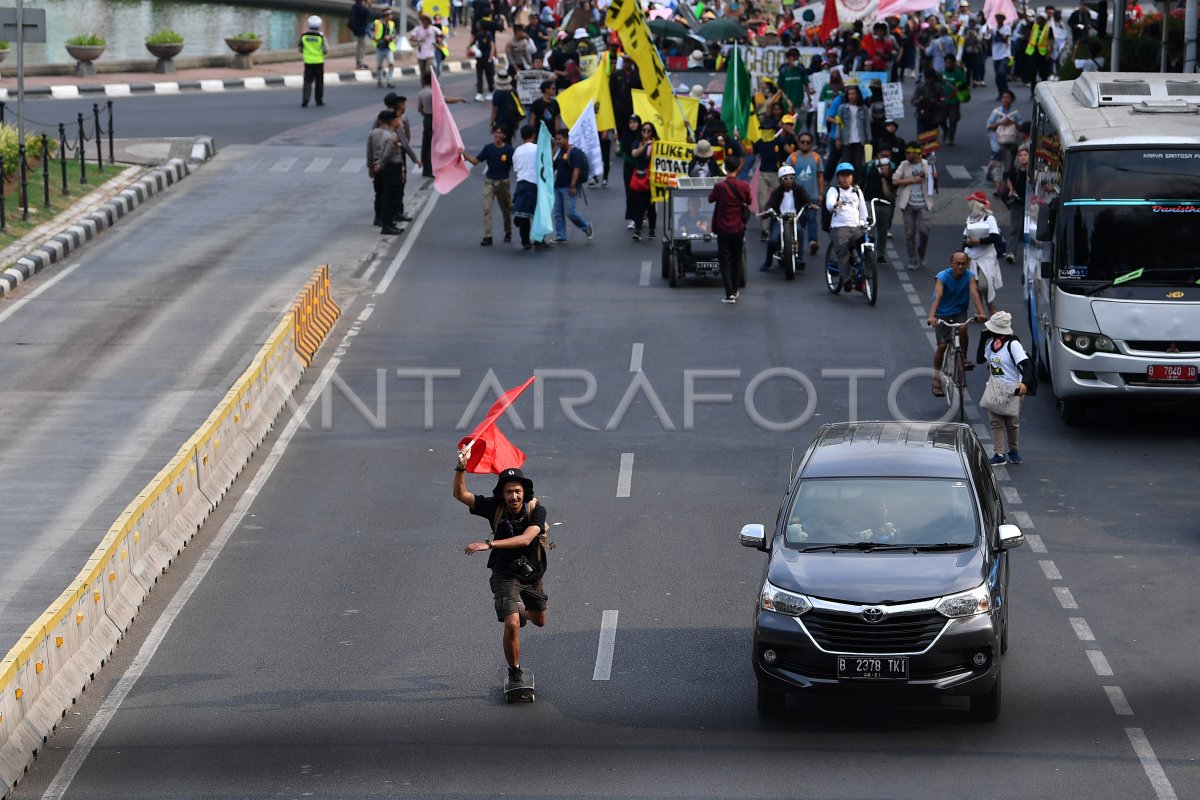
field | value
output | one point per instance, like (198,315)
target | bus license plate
(872,669)
(1172,373)
(708,267)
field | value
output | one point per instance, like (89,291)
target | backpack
(542,542)
(826,214)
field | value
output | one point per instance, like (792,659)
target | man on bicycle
(848,215)
(954,290)
(788,197)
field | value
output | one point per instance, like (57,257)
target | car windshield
(896,511)
(1125,210)
(692,214)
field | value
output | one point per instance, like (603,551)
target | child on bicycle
(848,215)
(954,290)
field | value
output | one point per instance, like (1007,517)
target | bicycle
(790,257)
(953,375)
(865,268)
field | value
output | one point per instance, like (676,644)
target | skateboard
(518,691)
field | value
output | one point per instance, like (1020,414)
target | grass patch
(38,213)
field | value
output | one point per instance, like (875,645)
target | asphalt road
(340,645)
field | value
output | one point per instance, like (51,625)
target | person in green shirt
(793,82)
(958,91)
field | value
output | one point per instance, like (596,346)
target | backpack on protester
(826,214)
(527,570)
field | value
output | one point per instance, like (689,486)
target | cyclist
(788,197)
(848,216)
(954,290)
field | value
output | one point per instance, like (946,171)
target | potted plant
(242,45)
(164,46)
(85,49)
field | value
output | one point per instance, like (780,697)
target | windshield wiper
(944,546)
(865,547)
(1128,276)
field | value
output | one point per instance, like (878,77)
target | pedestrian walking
(958,91)
(981,236)
(424,38)
(544,110)
(360,27)
(483,42)
(507,111)
(630,139)
(877,184)
(771,153)
(1001,52)
(498,157)
(570,168)
(1010,379)
(852,132)
(313,50)
(731,210)
(524,203)
(1015,182)
(1004,137)
(1037,52)
(383,35)
(810,176)
(640,191)
(386,151)
(955,290)
(516,553)
(915,181)
(929,99)
(847,215)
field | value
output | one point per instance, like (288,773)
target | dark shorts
(525,199)
(944,333)
(507,590)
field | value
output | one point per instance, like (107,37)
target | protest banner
(766,61)
(668,161)
(588,64)
(893,100)
(529,82)
(627,19)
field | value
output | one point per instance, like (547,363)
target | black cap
(509,476)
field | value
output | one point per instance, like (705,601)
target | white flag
(585,136)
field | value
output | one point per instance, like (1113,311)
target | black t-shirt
(509,526)
(499,160)
(545,111)
(565,166)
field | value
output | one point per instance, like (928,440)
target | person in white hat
(1010,375)
(313,50)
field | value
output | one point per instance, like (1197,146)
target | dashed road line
(1050,570)
(1154,771)
(635,357)
(608,643)
(959,173)
(625,475)
(283,164)
(353,165)
(1035,542)
(644,280)
(1023,519)
(1119,703)
(318,165)
(1082,630)
(1065,598)
(1099,663)
(1011,495)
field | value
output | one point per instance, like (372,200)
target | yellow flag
(671,130)
(754,133)
(572,101)
(626,18)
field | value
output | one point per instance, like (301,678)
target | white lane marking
(366,313)
(920,312)
(354,165)
(1023,519)
(608,643)
(914,298)
(1082,629)
(1050,570)
(644,280)
(932,337)
(1119,703)
(1011,495)
(95,729)
(1065,598)
(635,357)
(1001,473)
(1154,771)
(1035,543)
(318,165)
(409,239)
(1099,663)
(959,173)
(283,164)
(625,475)
(15,305)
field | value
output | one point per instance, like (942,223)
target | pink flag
(993,7)
(449,167)
(894,8)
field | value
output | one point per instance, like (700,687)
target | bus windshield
(1124,210)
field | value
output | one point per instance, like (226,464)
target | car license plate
(708,266)
(1172,373)
(866,668)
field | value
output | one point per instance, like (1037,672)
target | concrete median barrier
(60,653)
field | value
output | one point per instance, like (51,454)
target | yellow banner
(672,129)
(626,18)
(668,161)
(572,101)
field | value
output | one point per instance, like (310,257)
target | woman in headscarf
(630,138)
(980,237)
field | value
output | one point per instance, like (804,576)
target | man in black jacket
(788,197)
(877,183)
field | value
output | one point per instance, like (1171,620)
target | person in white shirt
(1001,52)
(524,200)
(915,181)
(980,236)
(848,214)
(424,38)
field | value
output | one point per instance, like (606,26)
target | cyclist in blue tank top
(954,290)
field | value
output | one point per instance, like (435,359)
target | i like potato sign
(668,161)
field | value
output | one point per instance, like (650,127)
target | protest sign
(893,100)
(529,82)
(668,161)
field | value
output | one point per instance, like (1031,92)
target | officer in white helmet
(313,50)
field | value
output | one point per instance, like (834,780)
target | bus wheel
(1073,411)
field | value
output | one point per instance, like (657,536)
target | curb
(70,91)
(74,235)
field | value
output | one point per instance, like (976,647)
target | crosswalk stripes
(283,164)
(294,164)
(354,165)
(318,165)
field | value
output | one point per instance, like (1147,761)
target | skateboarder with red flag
(517,548)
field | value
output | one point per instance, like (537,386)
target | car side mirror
(754,535)
(1010,537)
(1047,217)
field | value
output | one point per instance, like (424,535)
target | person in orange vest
(1037,51)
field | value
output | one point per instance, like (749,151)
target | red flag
(829,23)
(491,451)
(449,167)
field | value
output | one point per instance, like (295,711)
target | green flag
(735,103)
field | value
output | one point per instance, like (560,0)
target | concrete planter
(242,48)
(84,55)
(165,53)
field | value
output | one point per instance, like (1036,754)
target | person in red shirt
(730,197)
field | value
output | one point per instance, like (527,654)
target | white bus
(1112,237)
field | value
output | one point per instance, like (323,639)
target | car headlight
(966,604)
(1087,343)
(783,602)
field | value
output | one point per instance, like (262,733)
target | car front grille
(849,633)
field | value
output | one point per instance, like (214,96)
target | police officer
(313,49)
